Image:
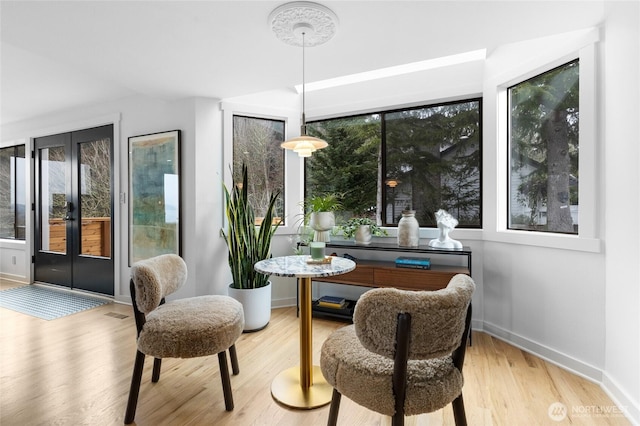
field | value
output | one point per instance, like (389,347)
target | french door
(74,209)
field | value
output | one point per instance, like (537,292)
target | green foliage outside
(349,165)
(432,152)
(437,150)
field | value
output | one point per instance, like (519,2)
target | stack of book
(332,302)
(413,262)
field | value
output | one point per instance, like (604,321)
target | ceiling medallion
(291,20)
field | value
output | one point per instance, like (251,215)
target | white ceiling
(58,55)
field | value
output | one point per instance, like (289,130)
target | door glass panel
(95,198)
(52,203)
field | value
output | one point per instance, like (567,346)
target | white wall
(575,302)
(208,252)
(547,300)
(14,261)
(621,109)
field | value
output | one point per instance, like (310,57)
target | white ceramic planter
(322,223)
(363,235)
(256,303)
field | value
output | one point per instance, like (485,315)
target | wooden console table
(374,273)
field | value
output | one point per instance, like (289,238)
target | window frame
(284,125)
(510,154)
(14,180)
(585,50)
(293,165)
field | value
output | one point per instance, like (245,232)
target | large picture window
(12,192)
(256,143)
(543,151)
(424,159)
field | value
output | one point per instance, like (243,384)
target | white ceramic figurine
(446,223)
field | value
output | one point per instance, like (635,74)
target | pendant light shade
(303,24)
(304,145)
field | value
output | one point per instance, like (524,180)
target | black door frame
(85,272)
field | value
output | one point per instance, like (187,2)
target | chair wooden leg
(226,381)
(397,419)
(136,378)
(458,411)
(235,367)
(335,407)
(155,376)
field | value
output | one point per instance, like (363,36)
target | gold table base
(286,389)
(304,386)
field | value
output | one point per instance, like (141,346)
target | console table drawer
(362,275)
(410,279)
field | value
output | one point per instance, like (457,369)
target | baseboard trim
(628,406)
(553,356)
(477,325)
(283,303)
(15,278)
(623,401)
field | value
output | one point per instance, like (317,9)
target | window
(349,165)
(12,192)
(256,142)
(543,151)
(424,159)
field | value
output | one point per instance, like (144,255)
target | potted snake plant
(248,244)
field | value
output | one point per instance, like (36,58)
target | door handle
(69,206)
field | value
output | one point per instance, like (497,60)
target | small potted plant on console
(362,229)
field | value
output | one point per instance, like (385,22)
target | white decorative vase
(408,230)
(322,223)
(363,234)
(256,303)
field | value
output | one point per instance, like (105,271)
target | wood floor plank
(76,370)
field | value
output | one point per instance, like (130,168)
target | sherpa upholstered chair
(404,352)
(184,328)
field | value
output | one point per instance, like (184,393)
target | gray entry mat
(46,303)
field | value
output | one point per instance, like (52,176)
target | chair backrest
(156,278)
(437,318)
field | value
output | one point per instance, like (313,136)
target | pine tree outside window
(423,158)
(543,151)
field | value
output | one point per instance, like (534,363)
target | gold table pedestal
(304,386)
(286,389)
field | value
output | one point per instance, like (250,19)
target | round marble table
(296,387)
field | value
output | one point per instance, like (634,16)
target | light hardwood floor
(76,370)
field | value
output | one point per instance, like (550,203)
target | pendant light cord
(303,127)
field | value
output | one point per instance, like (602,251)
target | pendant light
(304,145)
(303,24)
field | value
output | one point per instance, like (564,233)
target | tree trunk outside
(558,166)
